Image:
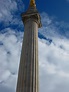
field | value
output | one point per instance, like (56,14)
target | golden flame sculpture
(32,3)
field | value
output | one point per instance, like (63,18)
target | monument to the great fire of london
(28,75)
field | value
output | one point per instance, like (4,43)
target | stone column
(28,76)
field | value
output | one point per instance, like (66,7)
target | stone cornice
(33,14)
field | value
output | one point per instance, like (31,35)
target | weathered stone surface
(28,76)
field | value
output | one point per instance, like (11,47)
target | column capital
(32,16)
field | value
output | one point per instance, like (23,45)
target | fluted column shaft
(28,69)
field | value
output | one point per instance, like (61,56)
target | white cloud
(54,70)
(53,58)
(48,29)
(4,75)
(6,9)
(10,10)
(53,61)
(52,28)
(10,49)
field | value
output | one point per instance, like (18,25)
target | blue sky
(53,42)
(57,8)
